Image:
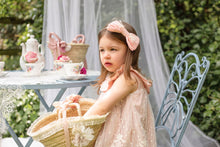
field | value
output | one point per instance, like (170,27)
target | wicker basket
(49,130)
(77,53)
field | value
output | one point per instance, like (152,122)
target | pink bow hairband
(131,39)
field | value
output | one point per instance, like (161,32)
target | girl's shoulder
(141,79)
(119,81)
(119,76)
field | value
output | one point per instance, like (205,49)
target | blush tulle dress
(131,122)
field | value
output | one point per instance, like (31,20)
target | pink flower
(58,58)
(62,58)
(31,57)
(83,70)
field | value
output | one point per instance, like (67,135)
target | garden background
(184,25)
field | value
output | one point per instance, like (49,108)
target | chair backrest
(185,82)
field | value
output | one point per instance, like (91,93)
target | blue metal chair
(185,82)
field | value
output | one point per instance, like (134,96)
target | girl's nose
(106,55)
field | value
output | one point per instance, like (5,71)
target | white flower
(82,135)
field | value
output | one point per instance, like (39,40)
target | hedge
(194,26)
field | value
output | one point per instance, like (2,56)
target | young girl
(123,91)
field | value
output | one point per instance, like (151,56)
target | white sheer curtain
(65,18)
(70,17)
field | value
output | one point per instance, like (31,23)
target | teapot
(33,46)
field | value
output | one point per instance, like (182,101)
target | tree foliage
(194,26)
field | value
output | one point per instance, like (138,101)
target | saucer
(26,74)
(3,73)
(74,77)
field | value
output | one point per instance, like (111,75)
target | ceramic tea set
(32,58)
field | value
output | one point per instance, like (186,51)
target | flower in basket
(82,135)
(31,57)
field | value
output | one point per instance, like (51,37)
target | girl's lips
(107,64)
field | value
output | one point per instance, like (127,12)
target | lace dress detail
(131,121)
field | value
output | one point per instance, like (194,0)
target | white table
(46,80)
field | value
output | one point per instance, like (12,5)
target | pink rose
(31,57)
(62,58)
(83,70)
(58,58)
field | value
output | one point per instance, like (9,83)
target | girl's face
(112,53)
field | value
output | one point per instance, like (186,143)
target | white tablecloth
(46,77)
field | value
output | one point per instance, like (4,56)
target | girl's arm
(119,90)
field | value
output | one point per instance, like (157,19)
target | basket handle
(53,34)
(77,108)
(63,106)
(79,39)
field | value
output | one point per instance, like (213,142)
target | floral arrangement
(31,57)
(63,58)
(58,66)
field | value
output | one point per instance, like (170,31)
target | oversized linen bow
(131,39)
(56,45)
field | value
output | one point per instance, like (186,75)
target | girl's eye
(112,49)
(101,50)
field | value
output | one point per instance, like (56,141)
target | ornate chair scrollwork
(184,85)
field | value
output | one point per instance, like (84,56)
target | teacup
(34,68)
(58,66)
(72,69)
(2,64)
